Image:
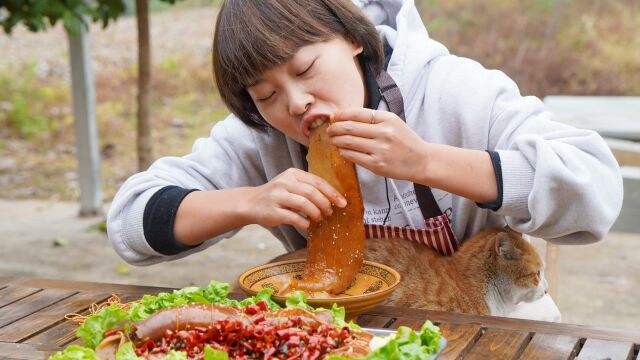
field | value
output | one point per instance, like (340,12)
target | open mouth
(313,122)
(317,123)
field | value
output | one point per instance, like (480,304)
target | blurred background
(562,47)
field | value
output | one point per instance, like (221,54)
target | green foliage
(38,15)
(547,46)
(31,105)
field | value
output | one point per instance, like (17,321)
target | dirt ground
(599,284)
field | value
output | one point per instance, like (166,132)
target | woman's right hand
(293,197)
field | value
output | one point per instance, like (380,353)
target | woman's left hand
(381,142)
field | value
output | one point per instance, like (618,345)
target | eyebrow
(255,82)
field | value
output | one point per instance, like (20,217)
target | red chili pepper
(258,318)
(281,338)
(262,305)
(294,340)
(252,309)
(269,353)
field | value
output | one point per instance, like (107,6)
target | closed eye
(263,99)
(307,69)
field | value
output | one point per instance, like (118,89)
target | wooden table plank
(415,324)
(13,351)
(460,339)
(551,347)
(91,286)
(499,344)
(12,293)
(372,321)
(65,333)
(4,280)
(508,323)
(31,304)
(46,318)
(594,349)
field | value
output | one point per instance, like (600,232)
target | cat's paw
(544,309)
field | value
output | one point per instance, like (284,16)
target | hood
(400,26)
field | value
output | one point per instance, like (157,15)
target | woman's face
(320,79)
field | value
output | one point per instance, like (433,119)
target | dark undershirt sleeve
(497,168)
(159,216)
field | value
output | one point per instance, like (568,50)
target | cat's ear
(506,248)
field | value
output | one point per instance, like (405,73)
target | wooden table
(32,325)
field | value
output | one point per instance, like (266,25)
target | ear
(357,49)
(505,247)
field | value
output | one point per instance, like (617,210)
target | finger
(292,218)
(354,143)
(301,204)
(356,128)
(314,195)
(325,188)
(362,115)
(359,158)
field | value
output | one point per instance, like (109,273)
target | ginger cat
(491,272)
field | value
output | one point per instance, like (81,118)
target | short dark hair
(252,36)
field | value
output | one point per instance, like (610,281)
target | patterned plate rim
(390,270)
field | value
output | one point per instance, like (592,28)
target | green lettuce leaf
(212,354)
(126,352)
(176,355)
(299,299)
(406,344)
(75,352)
(92,330)
(215,293)
(430,336)
(339,313)
(263,295)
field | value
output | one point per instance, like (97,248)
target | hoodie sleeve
(559,183)
(227,158)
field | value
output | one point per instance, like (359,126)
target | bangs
(266,34)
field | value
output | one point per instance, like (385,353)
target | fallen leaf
(60,241)
(122,269)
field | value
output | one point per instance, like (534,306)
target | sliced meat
(109,346)
(185,317)
(336,243)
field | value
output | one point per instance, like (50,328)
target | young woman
(443,146)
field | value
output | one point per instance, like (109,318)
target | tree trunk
(85,124)
(145,151)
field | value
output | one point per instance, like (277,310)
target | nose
(299,101)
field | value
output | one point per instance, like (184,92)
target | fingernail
(342,202)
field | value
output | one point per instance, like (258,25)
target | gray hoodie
(559,183)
